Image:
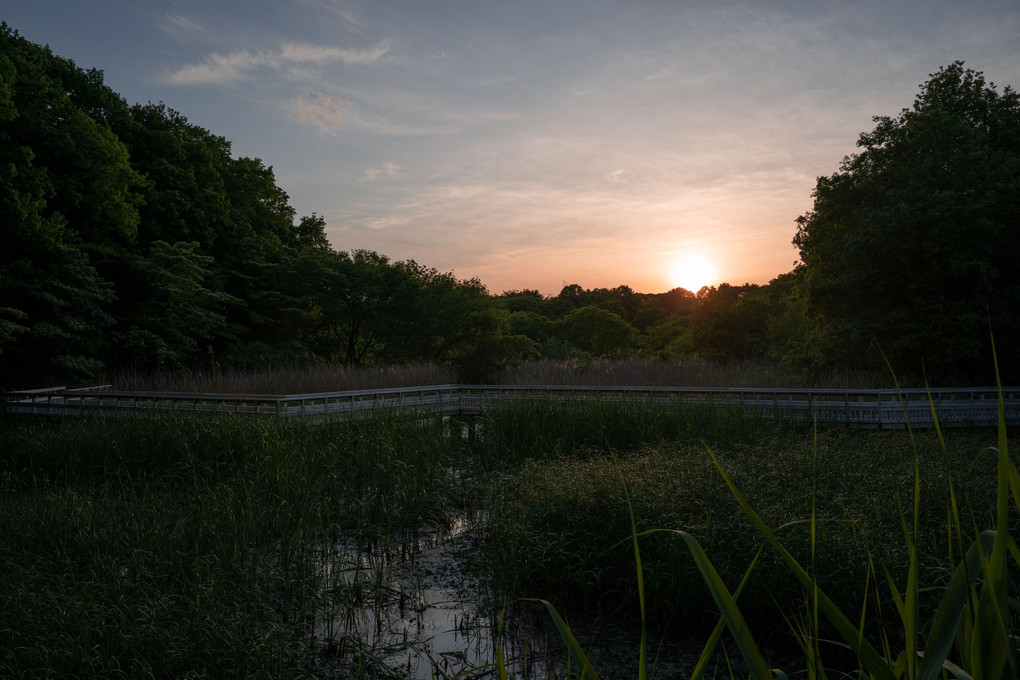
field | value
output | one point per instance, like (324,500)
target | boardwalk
(857,408)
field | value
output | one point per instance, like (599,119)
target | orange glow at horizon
(693,271)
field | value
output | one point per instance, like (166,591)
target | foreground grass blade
(951,608)
(868,656)
(573,646)
(643,652)
(728,609)
(713,640)
(991,647)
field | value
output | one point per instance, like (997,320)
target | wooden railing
(857,408)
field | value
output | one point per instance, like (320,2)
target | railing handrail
(860,407)
(372,392)
(1013,392)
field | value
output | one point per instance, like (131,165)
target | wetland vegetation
(233,547)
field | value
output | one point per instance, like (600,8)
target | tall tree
(358,301)
(176,315)
(599,331)
(730,322)
(65,202)
(185,197)
(915,241)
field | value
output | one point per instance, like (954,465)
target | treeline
(134,239)
(718,322)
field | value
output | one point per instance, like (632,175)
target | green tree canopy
(915,241)
(175,316)
(598,331)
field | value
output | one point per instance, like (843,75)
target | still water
(416,610)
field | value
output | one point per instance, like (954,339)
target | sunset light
(449,278)
(534,145)
(693,271)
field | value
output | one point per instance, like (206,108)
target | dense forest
(133,239)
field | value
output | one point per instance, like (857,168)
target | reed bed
(208,546)
(560,524)
(199,547)
(521,429)
(687,372)
(308,380)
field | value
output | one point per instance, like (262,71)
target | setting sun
(692,272)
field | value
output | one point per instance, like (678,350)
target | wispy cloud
(348,12)
(298,53)
(387,171)
(241,64)
(316,108)
(182,28)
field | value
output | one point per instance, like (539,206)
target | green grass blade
(573,646)
(713,640)
(869,658)
(1014,550)
(897,597)
(728,609)
(643,651)
(946,622)
(911,625)
(992,618)
(500,660)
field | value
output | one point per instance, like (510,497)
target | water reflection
(413,609)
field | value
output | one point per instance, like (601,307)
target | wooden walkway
(960,407)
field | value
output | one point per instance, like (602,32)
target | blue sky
(535,144)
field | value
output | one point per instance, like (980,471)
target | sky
(535,144)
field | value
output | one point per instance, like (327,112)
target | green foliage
(174,311)
(913,240)
(457,321)
(311,233)
(730,322)
(57,301)
(531,325)
(670,340)
(598,332)
(354,300)
(519,429)
(184,194)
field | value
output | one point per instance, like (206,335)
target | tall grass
(556,525)
(308,380)
(971,634)
(517,430)
(208,547)
(686,372)
(943,595)
(197,547)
